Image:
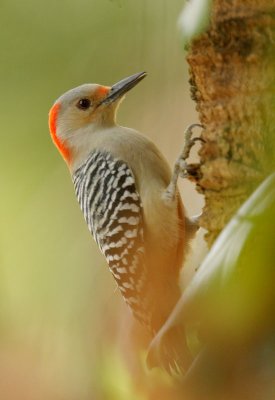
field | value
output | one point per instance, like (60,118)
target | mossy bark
(232,69)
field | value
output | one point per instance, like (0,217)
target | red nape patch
(53,114)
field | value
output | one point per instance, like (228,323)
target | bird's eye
(84,104)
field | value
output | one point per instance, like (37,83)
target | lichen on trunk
(232,77)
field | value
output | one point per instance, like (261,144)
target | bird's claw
(181,166)
(181,163)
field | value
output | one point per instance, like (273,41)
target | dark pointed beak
(122,87)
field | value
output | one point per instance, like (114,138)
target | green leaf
(231,297)
(232,293)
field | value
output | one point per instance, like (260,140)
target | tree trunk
(232,68)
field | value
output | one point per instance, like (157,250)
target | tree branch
(232,81)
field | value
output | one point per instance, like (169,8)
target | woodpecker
(128,196)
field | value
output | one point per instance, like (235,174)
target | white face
(85,109)
(82,106)
(77,109)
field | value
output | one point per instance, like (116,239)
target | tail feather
(169,350)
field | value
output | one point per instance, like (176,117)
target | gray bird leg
(180,168)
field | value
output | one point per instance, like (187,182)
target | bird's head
(86,109)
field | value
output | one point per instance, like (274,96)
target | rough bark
(232,69)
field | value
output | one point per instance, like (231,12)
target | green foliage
(228,307)
(233,289)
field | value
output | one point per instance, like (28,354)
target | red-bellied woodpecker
(124,188)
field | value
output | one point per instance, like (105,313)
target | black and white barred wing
(106,191)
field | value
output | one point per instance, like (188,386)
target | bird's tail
(169,350)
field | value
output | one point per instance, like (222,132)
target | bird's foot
(181,166)
(189,143)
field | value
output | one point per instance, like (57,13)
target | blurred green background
(63,324)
